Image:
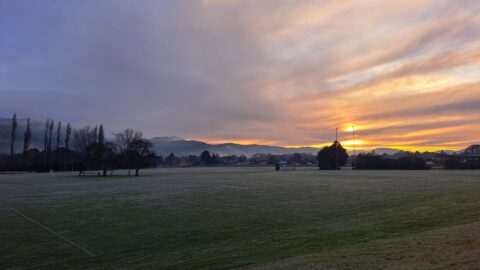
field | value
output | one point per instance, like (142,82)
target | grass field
(221,218)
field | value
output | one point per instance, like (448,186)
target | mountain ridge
(164,145)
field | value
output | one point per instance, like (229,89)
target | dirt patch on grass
(454,248)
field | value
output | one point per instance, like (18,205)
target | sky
(281,72)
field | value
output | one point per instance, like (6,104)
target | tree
(84,143)
(26,139)
(67,154)
(376,162)
(103,154)
(45,140)
(50,133)
(205,157)
(171,160)
(419,164)
(107,158)
(124,139)
(95,134)
(59,134)
(327,157)
(215,159)
(123,142)
(101,142)
(404,163)
(83,139)
(140,153)
(452,163)
(68,131)
(14,129)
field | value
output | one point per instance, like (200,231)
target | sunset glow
(277,72)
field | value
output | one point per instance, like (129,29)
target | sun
(351,127)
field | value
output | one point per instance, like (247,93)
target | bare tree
(85,140)
(123,141)
(50,133)
(26,139)
(95,134)
(139,152)
(82,139)
(49,130)
(68,131)
(59,134)
(107,158)
(14,129)
(101,141)
(80,144)
(45,139)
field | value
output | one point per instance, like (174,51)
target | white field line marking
(49,230)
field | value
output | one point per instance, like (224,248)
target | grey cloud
(168,66)
(193,69)
(463,107)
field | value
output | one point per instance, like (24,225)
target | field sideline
(251,218)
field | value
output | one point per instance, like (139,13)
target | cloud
(283,72)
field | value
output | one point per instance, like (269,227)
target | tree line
(375,162)
(459,163)
(87,149)
(81,150)
(335,156)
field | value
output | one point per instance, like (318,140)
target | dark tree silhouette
(327,157)
(107,158)
(26,139)
(90,150)
(12,142)
(68,131)
(133,149)
(95,134)
(139,152)
(171,160)
(85,144)
(99,147)
(123,142)
(66,154)
(376,162)
(50,133)
(59,134)
(101,142)
(205,157)
(215,159)
(83,138)
(45,140)
(453,163)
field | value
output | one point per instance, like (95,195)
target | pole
(336,147)
(353,162)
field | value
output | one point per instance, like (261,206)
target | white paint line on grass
(49,230)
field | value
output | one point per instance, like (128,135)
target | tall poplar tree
(59,134)
(26,139)
(68,132)
(14,129)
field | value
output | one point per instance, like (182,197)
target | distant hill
(392,151)
(386,151)
(181,147)
(162,145)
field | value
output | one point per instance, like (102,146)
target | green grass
(220,218)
